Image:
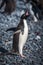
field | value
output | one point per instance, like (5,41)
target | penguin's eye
(24,15)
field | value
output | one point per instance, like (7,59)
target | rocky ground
(33,49)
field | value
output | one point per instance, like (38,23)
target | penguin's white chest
(23,37)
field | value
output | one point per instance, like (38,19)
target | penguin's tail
(3,50)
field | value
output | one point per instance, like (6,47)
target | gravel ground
(33,49)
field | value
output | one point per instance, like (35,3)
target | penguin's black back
(16,41)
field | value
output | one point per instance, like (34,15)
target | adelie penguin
(20,34)
(10,6)
(35,9)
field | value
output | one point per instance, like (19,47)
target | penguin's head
(25,15)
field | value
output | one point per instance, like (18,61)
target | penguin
(9,6)
(20,34)
(35,10)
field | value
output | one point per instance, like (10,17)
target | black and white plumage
(20,34)
(35,9)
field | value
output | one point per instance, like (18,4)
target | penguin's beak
(27,13)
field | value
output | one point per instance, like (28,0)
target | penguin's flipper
(12,29)
(3,50)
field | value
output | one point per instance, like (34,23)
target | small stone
(38,38)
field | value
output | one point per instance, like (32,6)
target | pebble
(38,38)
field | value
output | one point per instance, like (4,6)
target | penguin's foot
(22,56)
